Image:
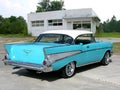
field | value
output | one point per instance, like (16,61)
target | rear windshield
(55,38)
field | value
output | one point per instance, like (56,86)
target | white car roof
(72,33)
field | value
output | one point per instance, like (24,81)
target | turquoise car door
(93,52)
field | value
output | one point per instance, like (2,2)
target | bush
(13,25)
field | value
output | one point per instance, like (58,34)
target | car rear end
(29,56)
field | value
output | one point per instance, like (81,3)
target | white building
(63,20)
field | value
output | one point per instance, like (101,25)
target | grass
(116,48)
(15,38)
(112,35)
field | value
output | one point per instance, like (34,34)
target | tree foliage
(56,5)
(47,5)
(43,6)
(13,25)
(112,25)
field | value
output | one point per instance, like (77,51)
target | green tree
(1,23)
(118,25)
(13,25)
(43,6)
(1,19)
(111,25)
(56,5)
(23,25)
(99,30)
(4,25)
(105,26)
(47,5)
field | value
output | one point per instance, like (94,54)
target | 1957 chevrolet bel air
(63,50)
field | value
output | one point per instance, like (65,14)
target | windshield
(55,38)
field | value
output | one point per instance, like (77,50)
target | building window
(37,23)
(55,22)
(82,25)
(77,25)
(86,24)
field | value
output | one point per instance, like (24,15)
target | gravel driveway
(90,77)
(109,39)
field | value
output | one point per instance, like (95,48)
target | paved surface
(109,39)
(90,77)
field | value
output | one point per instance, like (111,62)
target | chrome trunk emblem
(27,51)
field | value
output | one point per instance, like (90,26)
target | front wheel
(106,59)
(69,70)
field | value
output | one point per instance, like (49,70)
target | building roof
(74,13)
(80,13)
(72,33)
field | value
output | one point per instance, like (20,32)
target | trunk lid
(28,52)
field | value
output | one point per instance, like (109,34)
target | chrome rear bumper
(31,66)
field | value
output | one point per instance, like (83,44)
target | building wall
(67,22)
(44,16)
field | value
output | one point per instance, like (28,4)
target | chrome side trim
(37,67)
(58,56)
(88,63)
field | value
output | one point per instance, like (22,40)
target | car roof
(72,33)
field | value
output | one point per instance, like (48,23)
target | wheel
(106,59)
(69,70)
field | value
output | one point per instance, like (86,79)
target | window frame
(63,38)
(82,25)
(91,39)
(55,22)
(37,23)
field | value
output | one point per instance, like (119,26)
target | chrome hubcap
(107,58)
(70,69)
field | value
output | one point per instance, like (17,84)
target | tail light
(44,62)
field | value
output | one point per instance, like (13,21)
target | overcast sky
(105,9)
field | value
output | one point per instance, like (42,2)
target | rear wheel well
(106,59)
(75,63)
(108,51)
(68,70)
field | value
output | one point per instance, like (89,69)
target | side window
(68,39)
(85,39)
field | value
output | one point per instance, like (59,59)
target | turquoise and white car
(62,50)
